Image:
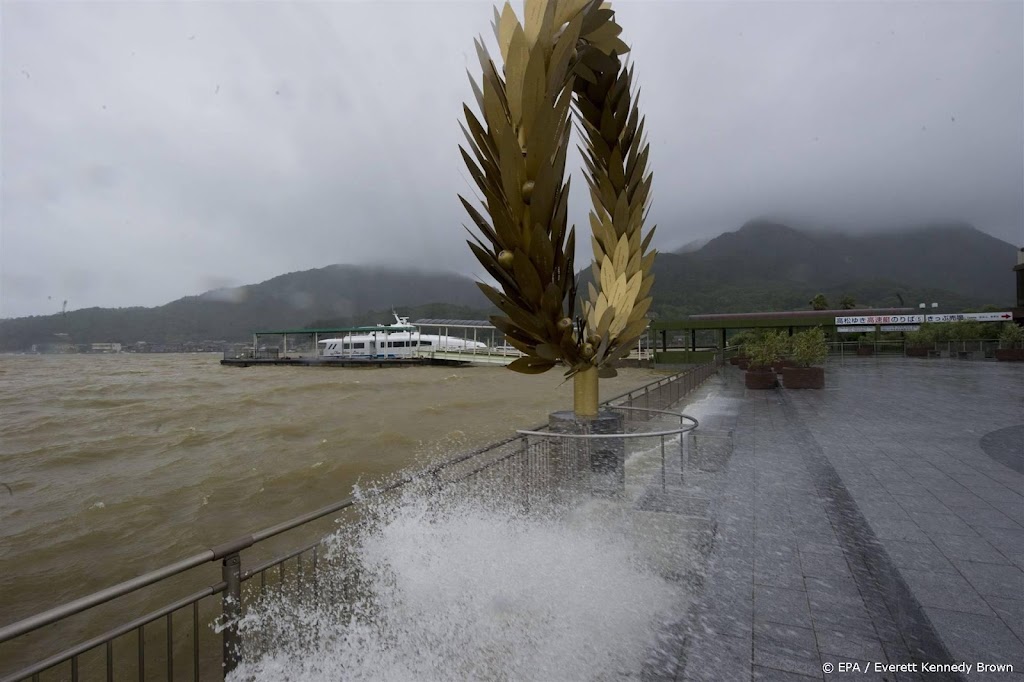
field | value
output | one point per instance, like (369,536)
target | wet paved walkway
(879,521)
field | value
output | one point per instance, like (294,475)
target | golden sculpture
(565,59)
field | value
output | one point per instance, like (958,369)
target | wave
(455,589)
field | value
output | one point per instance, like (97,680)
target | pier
(879,522)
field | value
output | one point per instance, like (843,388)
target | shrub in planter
(808,348)
(919,343)
(865,345)
(763,352)
(1011,343)
(741,340)
(781,364)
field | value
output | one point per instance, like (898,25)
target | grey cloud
(151,149)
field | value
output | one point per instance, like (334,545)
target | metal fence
(173,641)
(247,353)
(974,349)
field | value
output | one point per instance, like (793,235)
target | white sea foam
(456,589)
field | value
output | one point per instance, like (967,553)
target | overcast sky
(151,150)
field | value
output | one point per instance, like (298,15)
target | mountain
(767,265)
(762,266)
(692,246)
(343,294)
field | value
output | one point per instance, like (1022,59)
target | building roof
(785,318)
(336,330)
(432,322)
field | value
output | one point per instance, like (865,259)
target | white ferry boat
(397,340)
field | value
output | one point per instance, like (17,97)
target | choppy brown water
(118,464)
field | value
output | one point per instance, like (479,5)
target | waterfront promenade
(879,522)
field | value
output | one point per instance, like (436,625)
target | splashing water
(458,589)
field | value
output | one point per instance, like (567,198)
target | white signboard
(868,328)
(977,317)
(881,319)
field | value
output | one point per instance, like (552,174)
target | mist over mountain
(762,266)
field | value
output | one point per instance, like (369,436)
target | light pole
(924,311)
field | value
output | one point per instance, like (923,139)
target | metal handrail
(102,596)
(639,434)
(229,551)
(113,633)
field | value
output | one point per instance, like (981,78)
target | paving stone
(947,524)
(1006,540)
(823,566)
(897,652)
(945,590)
(989,517)
(780,577)
(904,531)
(973,637)
(846,622)
(1011,611)
(993,579)
(772,675)
(788,638)
(832,587)
(792,662)
(718,658)
(831,548)
(921,503)
(780,605)
(964,499)
(919,557)
(965,548)
(849,644)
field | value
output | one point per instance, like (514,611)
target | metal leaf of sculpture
(563,61)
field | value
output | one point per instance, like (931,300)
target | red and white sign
(977,317)
(881,319)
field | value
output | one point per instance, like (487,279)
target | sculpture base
(604,459)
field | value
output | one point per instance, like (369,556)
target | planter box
(760,379)
(865,350)
(803,377)
(1010,354)
(778,365)
(737,359)
(743,364)
(918,352)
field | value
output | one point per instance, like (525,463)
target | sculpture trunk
(585,392)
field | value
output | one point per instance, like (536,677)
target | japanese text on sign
(881,319)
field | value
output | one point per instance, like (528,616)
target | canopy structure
(790,320)
(318,333)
